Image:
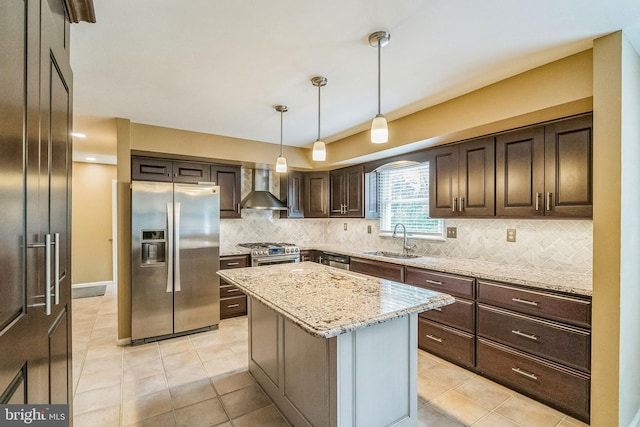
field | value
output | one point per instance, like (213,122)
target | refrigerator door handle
(170,248)
(177,248)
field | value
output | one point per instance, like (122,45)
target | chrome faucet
(405,247)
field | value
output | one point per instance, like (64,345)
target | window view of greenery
(404,198)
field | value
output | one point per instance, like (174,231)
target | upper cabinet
(462,179)
(168,170)
(228,178)
(306,194)
(546,170)
(346,192)
(165,170)
(316,195)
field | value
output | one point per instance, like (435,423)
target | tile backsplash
(560,245)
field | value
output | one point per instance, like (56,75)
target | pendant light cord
(281,112)
(379,42)
(319,112)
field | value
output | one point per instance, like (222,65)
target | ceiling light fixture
(281,163)
(319,147)
(379,128)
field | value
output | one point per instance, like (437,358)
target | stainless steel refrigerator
(175,231)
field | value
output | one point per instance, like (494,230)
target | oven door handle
(274,260)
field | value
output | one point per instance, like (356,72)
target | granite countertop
(572,283)
(327,301)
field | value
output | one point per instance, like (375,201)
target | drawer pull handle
(522,334)
(232,290)
(231,264)
(437,309)
(233,305)
(436,339)
(433,282)
(524,373)
(524,301)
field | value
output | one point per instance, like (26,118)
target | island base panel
(360,378)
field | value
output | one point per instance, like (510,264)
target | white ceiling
(220,66)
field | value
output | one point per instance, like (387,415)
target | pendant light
(281,163)
(319,147)
(379,129)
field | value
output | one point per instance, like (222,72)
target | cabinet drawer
(151,169)
(228,291)
(568,309)
(564,344)
(458,286)
(560,387)
(383,270)
(235,306)
(227,263)
(448,343)
(459,315)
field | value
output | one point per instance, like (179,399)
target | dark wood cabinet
(228,177)
(165,170)
(546,170)
(36,83)
(292,190)
(233,302)
(537,342)
(306,194)
(383,270)
(346,192)
(462,178)
(316,194)
(449,343)
(311,255)
(568,151)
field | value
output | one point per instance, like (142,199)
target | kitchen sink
(397,255)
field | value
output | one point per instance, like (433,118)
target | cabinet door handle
(433,282)
(522,334)
(524,373)
(233,305)
(548,200)
(47,274)
(230,291)
(524,301)
(56,267)
(436,339)
(537,200)
(231,264)
(461,205)
(455,204)
(238,207)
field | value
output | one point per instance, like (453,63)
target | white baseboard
(124,342)
(635,422)
(86,285)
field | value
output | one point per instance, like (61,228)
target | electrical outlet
(368,229)
(511,235)
(345,226)
(452,232)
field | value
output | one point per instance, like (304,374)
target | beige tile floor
(201,380)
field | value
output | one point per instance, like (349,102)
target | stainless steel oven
(268,253)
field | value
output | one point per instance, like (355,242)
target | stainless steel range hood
(260,197)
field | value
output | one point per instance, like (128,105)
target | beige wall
(92,258)
(616,271)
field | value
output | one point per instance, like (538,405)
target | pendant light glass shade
(319,153)
(281,162)
(379,128)
(281,165)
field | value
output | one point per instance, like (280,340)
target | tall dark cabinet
(35,195)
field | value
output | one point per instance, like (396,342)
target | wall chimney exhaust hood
(260,197)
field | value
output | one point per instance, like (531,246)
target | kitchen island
(334,348)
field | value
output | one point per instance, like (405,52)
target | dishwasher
(336,260)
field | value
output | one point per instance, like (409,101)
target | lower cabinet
(535,341)
(232,301)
